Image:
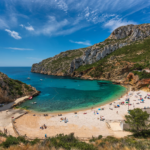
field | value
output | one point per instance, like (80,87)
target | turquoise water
(64,93)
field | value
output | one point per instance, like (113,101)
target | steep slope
(11,89)
(80,62)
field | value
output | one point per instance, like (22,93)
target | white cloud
(81,13)
(62,5)
(13,34)
(116,22)
(82,42)
(64,27)
(29,28)
(19,49)
(22,25)
(52,27)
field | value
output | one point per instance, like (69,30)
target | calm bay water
(64,93)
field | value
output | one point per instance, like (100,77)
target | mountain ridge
(92,62)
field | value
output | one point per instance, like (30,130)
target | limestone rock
(71,60)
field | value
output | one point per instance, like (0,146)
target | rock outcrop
(126,35)
(11,89)
(67,62)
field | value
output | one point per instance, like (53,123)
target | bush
(142,75)
(26,86)
(10,141)
(35,141)
(20,93)
(94,139)
(19,82)
(68,142)
(100,136)
(22,139)
(102,144)
(143,134)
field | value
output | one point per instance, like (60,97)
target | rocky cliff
(67,62)
(11,89)
(113,59)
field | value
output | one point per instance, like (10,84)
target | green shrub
(142,75)
(68,142)
(22,139)
(35,141)
(102,144)
(26,86)
(20,93)
(10,141)
(143,134)
(100,136)
(19,82)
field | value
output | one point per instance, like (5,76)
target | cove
(60,94)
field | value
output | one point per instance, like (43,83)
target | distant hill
(11,89)
(126,50)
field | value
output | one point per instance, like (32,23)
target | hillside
(12,89)
(126,48)
(69,142)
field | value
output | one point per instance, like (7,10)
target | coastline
(85,123)
(101,104)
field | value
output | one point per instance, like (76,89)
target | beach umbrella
(99,109)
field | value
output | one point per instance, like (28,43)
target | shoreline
(80,109)
(101,104)
(84,123)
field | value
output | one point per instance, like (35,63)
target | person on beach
(45,135)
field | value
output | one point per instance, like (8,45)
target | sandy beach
(6,115)
(84,124)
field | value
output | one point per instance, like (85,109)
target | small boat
(33,102)
(30,97)
(41,79)
(28,77)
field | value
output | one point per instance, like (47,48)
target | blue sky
(33,30)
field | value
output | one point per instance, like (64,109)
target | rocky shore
(10,89)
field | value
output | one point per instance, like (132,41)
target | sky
(33,30)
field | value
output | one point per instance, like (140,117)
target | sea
(63,94)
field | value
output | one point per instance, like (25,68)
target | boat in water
(30,97)
(28,77)
(33,102)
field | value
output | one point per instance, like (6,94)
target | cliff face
(12,89)
(66,63)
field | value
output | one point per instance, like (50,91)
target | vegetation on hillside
(69,142)
(61,61)
(138,120)
(136,53)
(14,88)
